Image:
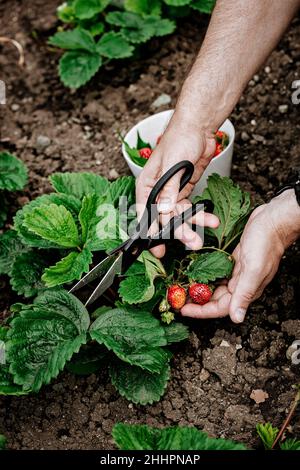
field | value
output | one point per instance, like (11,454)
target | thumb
(169,194)
(244,293)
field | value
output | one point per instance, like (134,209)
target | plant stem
(230,241)
(215,249)
(288,418)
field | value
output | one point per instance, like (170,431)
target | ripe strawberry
(200,293)
(145,152)
(219,149)
(176,296)
(220,136)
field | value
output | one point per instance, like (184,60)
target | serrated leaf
(267,433)
(138,385)
(134,26)
(77,67)
(44,336)
(134,336)
(3,210)
(13,172)
(29,238)
(290,444)
(114,46)
(79,184)
(135,436)
(208,267)
(53,223)
(189,438)
(176,332)
(144,7)
(231,204)
(204,6)
(74,39)
(68,269)
(87,9)
(88,217)
(177,3)
(10,247)
(122,187)
(7,386)
(26,273)
(88,360)
(161,27)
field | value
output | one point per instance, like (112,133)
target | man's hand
(269,231)
(177,144)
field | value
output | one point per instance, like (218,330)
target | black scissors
(121,258)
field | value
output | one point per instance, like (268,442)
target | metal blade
(98,271)
(107,280)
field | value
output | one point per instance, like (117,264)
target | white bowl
(155,125)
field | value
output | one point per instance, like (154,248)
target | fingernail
(239,315)
(164,205)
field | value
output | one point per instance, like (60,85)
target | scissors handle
(166,234)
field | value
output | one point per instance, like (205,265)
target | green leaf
(290,444)
(29,238)
(65,13)
(13,172)
(267,433)
(53,223)
(87,9)
(204,6)
(68,269)
(134,336)
(79,184)
(135,436)
(177,3)
(26,273)
(138,385)
(133,153)
(88,216)
(231,204)
(114,46)
(134,26)
(7,386)
(122,187)
(10,247)
(74,39)
(3,210)
(161,27)
(88,360)
(208,267)
(77,67)
(2,442)
(44,336)
(189,438)
(176,332)
(141,143)
(144,7)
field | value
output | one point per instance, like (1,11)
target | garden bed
(206,391)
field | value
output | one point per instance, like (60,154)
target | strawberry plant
(56,238)
(143,437)
(97,31)
(143,150)
(13,177)
(2,442)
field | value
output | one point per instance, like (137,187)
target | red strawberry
(176,296)
(219,149)
(200,293)
(145,152)
(220,136)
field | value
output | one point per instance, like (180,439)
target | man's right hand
(177,144)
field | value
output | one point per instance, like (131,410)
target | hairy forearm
(241,35)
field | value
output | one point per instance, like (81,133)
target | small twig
(215,249)
(18,46)
(288,418)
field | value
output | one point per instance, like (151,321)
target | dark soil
(216,371)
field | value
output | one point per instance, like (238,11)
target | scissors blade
(107,279)
(98,271)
